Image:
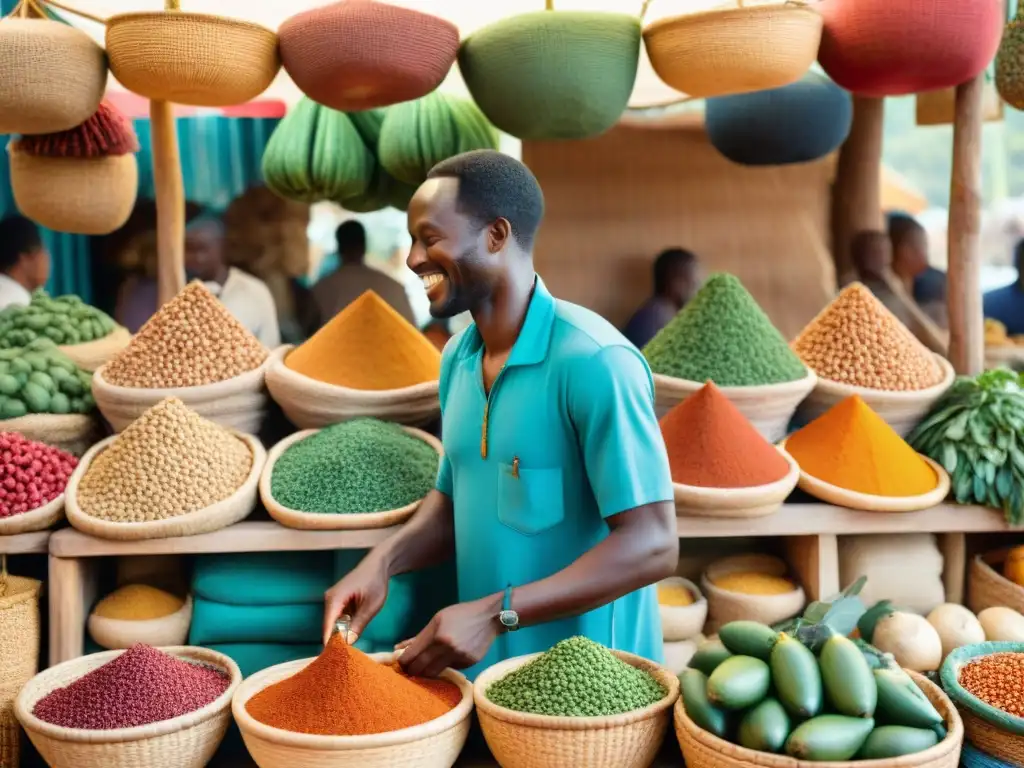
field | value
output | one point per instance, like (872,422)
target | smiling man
(554,493)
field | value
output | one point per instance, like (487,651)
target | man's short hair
(902,226)
(670,263)
(493,185)
(350,237)
(18,236)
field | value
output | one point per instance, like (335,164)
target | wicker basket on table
(988,588)
(19,653)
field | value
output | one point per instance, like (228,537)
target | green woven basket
(991,730)
(553,74)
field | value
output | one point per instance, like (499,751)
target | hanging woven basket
(84,196)
(1010,62)
(734,50)
(19,653)
(359,54)
(191,58)
(53,74)
(553,74)
(881,48)
(797,123)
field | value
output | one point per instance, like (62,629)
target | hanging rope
(69,9)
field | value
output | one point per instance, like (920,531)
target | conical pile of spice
(143,685)
(723,336)
(851,447)
(192,340)
(168,462)
(711,444)
(343,692)
(856,340)
(369,346)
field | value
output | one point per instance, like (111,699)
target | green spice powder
(723,336)
(363,465)
(576,678)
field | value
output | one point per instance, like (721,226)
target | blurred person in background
(676,279)
(924,282)
(1006,304)
(24,261)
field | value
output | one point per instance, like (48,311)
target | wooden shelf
(25,543)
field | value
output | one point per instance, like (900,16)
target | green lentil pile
(39,378)
(359,466)
(576,678)
(62,319)
(723,336)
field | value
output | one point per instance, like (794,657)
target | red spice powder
(712,445)
(143,685)
(343,692)
(31,474)
(448,692)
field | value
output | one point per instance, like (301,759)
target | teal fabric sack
(219,623)
(266,578)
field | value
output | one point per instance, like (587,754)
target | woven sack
(553,75)
(191,58)
(906,569)
(881,48)
(19,654)
(725,606)
(1010,63)
(734,50)
(92,354)
(73,432)
(357,54)
(53,75)
(83,196)
(796,123)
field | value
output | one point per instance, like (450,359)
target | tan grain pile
(168,462)
(192,340)
(856,340)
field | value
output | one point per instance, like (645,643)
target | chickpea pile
(168,462)
(857,341)
(997,680)
(191,341)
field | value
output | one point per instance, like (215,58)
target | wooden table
(25,543)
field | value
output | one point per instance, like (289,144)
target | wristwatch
(508,618)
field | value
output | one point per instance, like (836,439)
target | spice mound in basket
(167,463)
(855,340)
(138,602)
(343,692)
(31,474)
(368,346)
(998,680)
(191,341)
(61,319)
(141,686)
(40,379)
(576,678)
(359,466)
(722,335)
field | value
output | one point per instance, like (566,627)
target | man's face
(38,263)
(910,258)
(203,249)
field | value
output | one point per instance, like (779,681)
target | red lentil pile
(143,685)
(31,474)
(998,680)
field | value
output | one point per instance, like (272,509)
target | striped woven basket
(19,654)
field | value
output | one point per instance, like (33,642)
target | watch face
(508,618)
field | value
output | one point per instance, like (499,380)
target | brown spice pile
(856,340)
(998,680)
(192,340)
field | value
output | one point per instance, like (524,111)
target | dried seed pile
(143,685)
(576,678)
(138,602)
(998,680)
(364,465)
(168,462)
(856,340)
(191,341)
(31,474)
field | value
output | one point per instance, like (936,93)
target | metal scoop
(342,626)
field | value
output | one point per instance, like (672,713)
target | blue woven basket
(973,758)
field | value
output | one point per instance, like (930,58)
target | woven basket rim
(838,389)
(743,497)
(115,624)
(119,334)
(574,15)
(36,689)
(72,420)
(950,673)
(552,723)
(690,585)
(779,389)
(315,742)
(294,518)
(210,18)
(717,14)
(410,14)
(204,391)
(29,589)
(38,519)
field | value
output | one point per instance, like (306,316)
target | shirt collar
(534,339)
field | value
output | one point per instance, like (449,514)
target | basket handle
(68,9)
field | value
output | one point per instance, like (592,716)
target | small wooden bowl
(117,634)
(757,501)
(682,622)
(38,519)
(867,502)
(725,605)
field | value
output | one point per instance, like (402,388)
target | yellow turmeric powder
(138,602)
(369,346)
(674,595)
(852,447)
(753,583)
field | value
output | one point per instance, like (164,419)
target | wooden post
(966,320)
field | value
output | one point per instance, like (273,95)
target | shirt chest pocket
(530,501)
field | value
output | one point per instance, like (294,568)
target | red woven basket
(359,54)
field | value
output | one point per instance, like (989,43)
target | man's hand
(458,637)
(361,594)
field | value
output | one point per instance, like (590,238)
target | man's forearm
(426,540)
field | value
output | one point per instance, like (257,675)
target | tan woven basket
(315,521)
(435,744)
(39,519)
(311,404)
(84,196)
(522,740)
(118,634)
(188,741)
(683,622)
(19,653)
(229,511)
(239,403)
(704,750)
(988,588)
(191,58)
(725,606)
(74,432)
(745,503)
(734,50)
(93,354)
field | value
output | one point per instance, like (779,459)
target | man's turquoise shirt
(571,440)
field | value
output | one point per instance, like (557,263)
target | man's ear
(498,235)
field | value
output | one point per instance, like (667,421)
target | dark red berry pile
(31,474)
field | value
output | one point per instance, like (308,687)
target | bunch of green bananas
(384,190)
(976,431)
